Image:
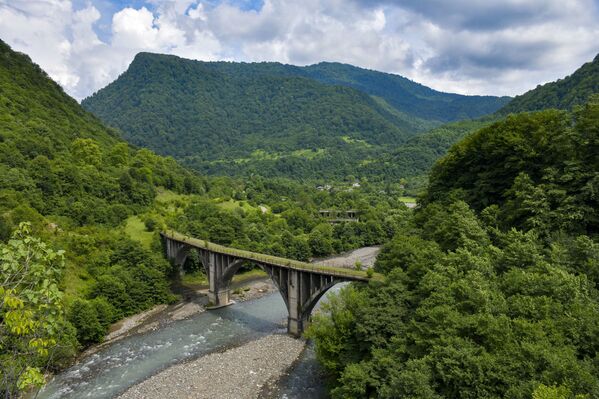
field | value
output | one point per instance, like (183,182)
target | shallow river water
(124,363)
(115,368)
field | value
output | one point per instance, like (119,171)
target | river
(125,363)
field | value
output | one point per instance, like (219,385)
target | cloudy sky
(500,47)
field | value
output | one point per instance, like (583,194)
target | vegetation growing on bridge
(270,259)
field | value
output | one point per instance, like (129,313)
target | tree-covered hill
(419,153)
(562,94)
(269,118)
(405,95)
(492,288)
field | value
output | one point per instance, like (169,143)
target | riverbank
(240,372)
(194,302)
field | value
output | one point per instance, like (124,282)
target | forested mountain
(405,95)
(562,94)
(492,286)
(418,154)
(271,119)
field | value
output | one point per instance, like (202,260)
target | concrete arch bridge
(301,284)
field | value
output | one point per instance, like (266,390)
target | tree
(31,310)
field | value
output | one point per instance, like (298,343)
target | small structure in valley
(337,216)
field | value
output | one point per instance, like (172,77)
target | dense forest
(418,154)
(80,212)
(561,94)
(326,121)
(405,95)
(492,286)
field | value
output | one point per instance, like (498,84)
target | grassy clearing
(351,140)
(248,275)
(408,199)
(195,278)
(165,195)
(231,205)
(309,154)
(76,280)
(136,230)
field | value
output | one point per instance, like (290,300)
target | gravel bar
(237,373)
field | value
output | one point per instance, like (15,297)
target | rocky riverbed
(240,372)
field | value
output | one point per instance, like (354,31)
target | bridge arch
(300,284)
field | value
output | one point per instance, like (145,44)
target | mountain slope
(418,154)
(78,185)
(562,94)
(405,95)
(265,118)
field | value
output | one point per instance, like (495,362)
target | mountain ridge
(215,116)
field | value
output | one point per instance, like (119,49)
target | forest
(492,285)
(321,122)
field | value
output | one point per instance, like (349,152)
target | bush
(150,224)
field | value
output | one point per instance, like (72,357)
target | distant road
(366,255)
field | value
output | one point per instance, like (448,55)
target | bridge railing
(273,260)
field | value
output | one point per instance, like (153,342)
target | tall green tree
(31,310)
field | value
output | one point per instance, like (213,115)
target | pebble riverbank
(237,373)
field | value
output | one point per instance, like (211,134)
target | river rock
(237,373)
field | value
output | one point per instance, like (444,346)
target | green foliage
(31,310)
(76,182)
(564,93)
(492,285)
(405,95)
(322,121)
(540,169)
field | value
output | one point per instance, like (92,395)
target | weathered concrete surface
(237,373)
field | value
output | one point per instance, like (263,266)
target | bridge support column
(218,294)
(298,284)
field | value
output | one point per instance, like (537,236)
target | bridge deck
(349,274)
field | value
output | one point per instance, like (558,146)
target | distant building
(336,216)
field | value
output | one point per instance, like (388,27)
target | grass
(407,199)
(231,205)
(165,195)
(273,260)
(76,281)
(136,230)
(309,154)
(195,278)
(248,275)
(350,140)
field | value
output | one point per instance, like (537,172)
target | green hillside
(224,122)
(419,153)
(491,287)
(268,118)
(405,95)
(562,94)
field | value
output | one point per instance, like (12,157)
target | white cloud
(465,46)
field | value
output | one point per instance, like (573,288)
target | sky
(494,47)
